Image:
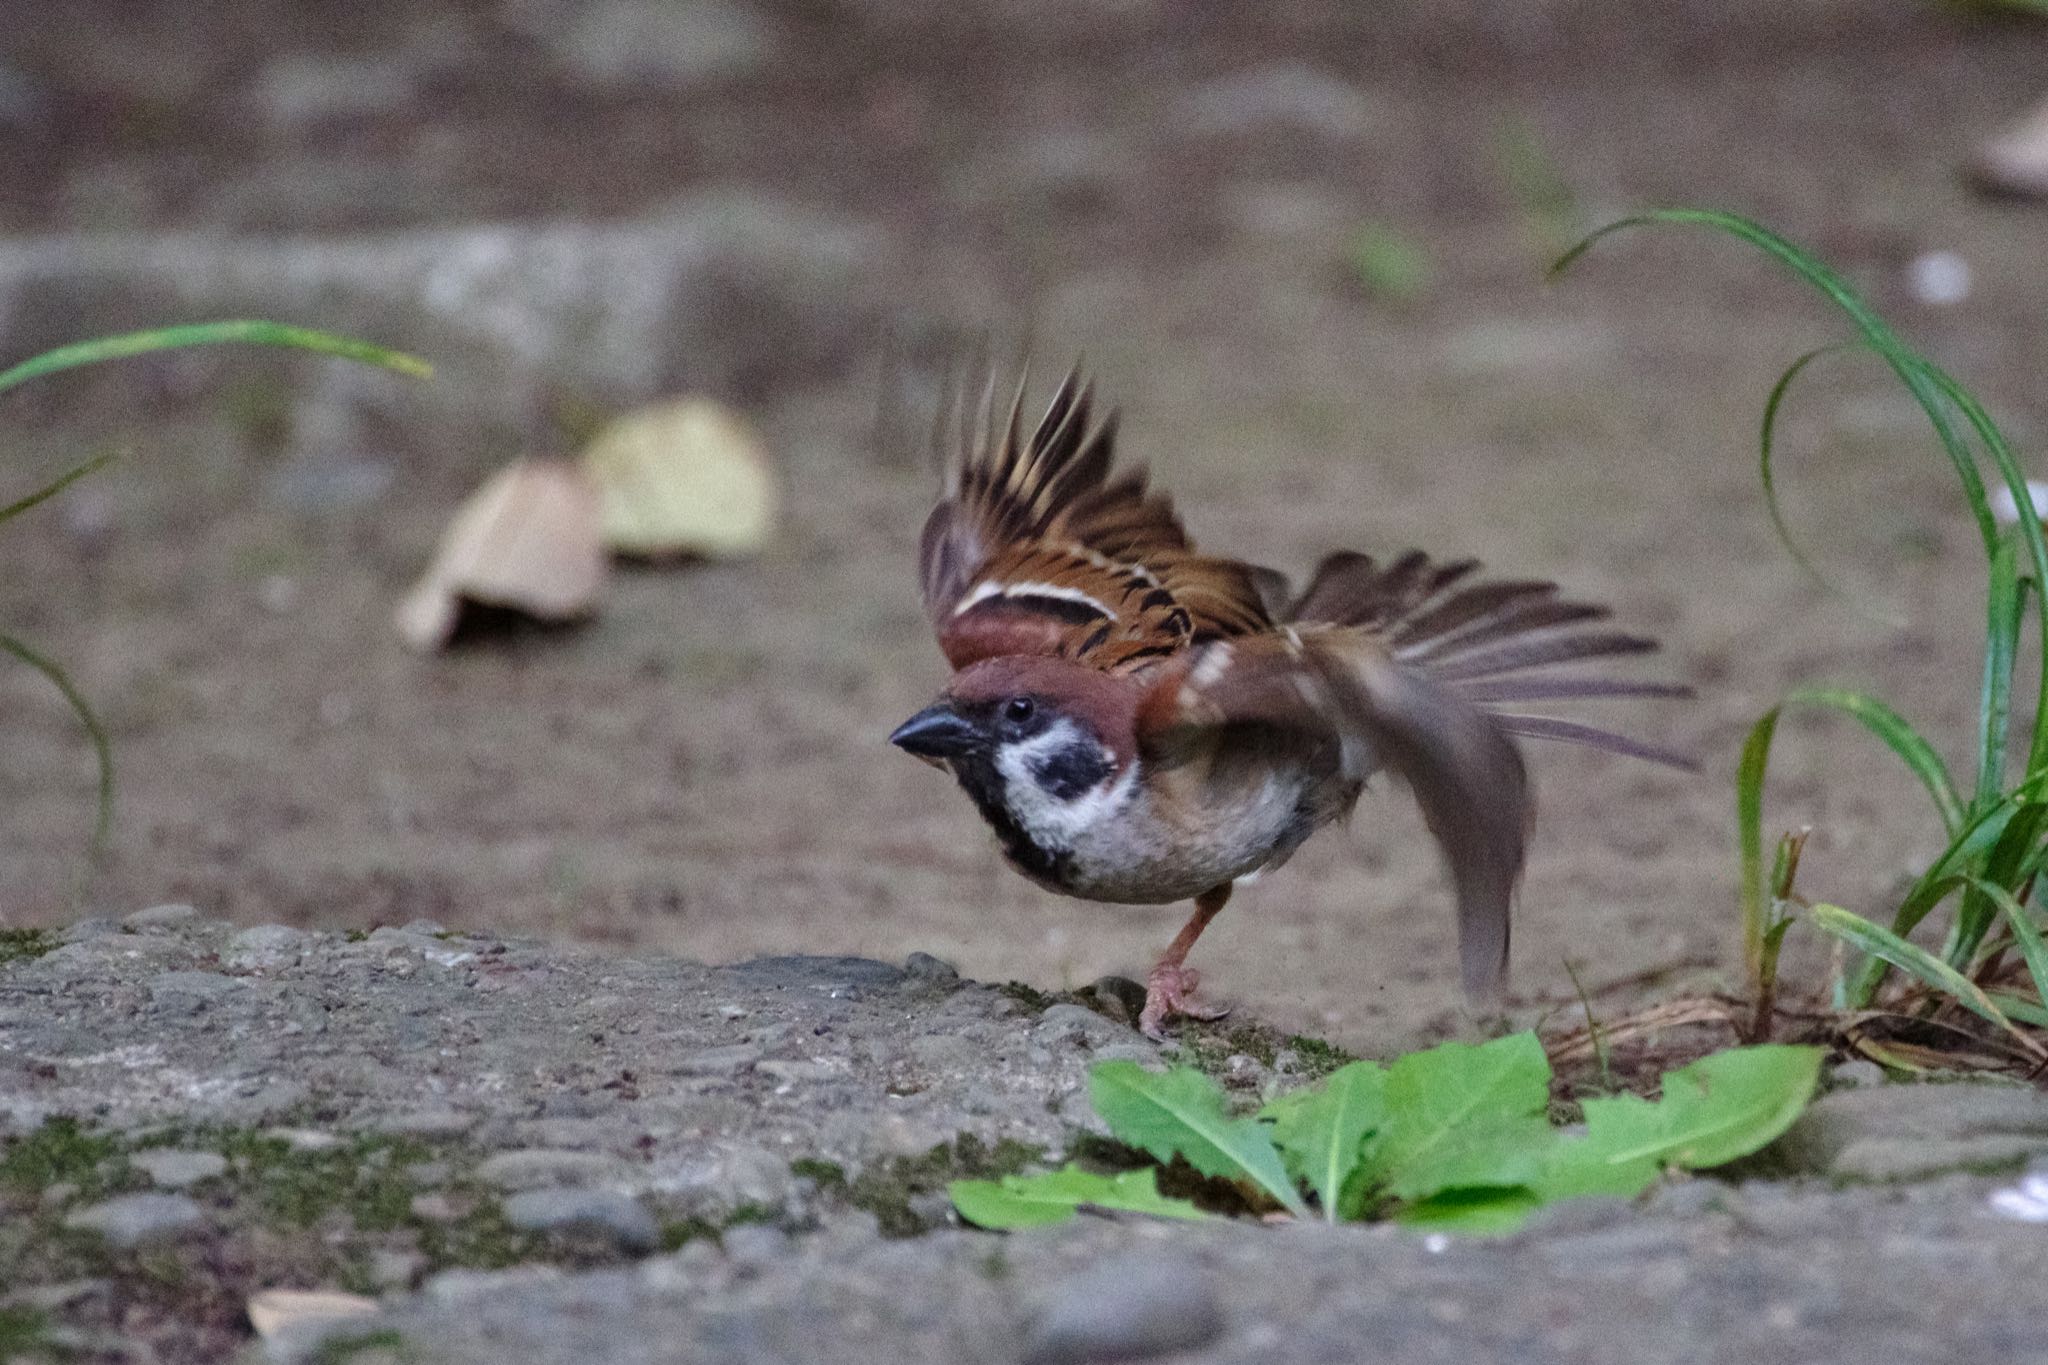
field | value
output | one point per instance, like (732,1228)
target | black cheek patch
(1067,773)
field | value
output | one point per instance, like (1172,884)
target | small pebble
(161,917)
(925,967)
(539,1167)
(619,1218)
(174,1169)
(133,1220)
(1940,278)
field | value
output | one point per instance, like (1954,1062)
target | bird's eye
(1017,710)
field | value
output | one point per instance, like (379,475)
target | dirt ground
(703,770)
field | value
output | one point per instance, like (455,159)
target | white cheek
(1053,823)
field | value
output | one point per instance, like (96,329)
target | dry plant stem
(1790,847)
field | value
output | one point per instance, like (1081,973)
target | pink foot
(1167,989)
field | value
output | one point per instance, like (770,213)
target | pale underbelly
(1145,860)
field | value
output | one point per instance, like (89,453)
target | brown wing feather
(1480,640)
(1038,547)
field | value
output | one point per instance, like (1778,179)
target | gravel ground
(521,1151)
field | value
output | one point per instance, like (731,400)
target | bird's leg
(1169,984)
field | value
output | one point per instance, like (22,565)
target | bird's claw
(1167,992)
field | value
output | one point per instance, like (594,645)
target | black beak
(937,732)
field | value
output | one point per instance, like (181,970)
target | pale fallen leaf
(527,540)
(690,477)
(273,1311)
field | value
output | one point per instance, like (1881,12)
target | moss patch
(19,945)
(887,1188)
(64,1152)
(1030,997)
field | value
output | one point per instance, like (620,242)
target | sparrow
(1140,723)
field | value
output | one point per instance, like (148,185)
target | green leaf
(1917,961)
(1485,1153)
(1749,829)
(1446,1107)
(1485,1212)
(1720,1108)
(210,334)
(1030,1201)
(1321,1130)
(1180,1112)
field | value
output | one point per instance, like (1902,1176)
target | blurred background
(1301,244)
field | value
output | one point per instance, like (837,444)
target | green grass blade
(251,331)
(1919,963)
(2020,1009)
(1749,827)
(102,748)
(2001,868)
(1898,736)
(1915,373)
(1766,447)
(2004,601)
(2030,533)
(52,489)
(2033,951)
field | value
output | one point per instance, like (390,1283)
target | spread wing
(1340,684)
(1040,546)
(1402,666)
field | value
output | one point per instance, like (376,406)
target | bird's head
(1047,741)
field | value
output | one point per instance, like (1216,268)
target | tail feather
(1522,617)
(1572,732)
(1481,640)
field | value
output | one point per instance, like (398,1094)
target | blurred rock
(1284,96)
(616,1217)
(1130,1306)
(133,1220)
(626,44)
(2015,162)
(299,88)
(737,294)
(174,1169)
(1910,1132)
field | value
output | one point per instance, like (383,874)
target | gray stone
(266,947)
(1857,1072)
(133,1220)
(540,1167)
(162,917)
(510,313)
(1902,1132)
(299,89)
(754,1243)
(1281,96)
(96,927)
(188,992)
(620,1218)
(1073,1025)
(174,1168)
(1131,1306)
(925,967)
(435,1121)
(718,1061)
(628,44)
